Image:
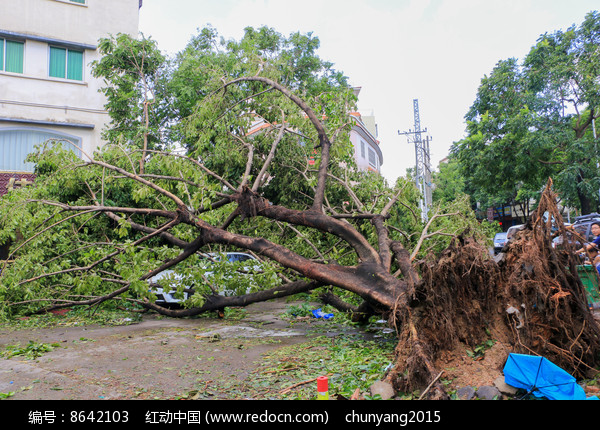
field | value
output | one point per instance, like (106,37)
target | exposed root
(457,299)
(542,281)
(533,299)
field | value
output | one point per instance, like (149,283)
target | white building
(46,86)
(366,146)
(363,136)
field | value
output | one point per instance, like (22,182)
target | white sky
(436,51)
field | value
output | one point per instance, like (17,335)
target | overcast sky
(436,51)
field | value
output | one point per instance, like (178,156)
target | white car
(169,299)
(512,230)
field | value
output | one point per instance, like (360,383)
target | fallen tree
(100,228)
(370,278)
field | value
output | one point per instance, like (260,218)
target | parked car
(499,242)
(175,279)
(579,232)
(583,225)
(512,230)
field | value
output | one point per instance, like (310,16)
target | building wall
(35,100)
(67,20)
(367,153)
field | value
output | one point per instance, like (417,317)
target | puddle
(230,332)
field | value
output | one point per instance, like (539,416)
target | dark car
(579,232)
(499,242)
(583,226)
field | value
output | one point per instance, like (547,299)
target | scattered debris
(503,387)
(466,393)
(511,310)
(488,392)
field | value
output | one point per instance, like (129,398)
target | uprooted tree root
(457,300)
(532,297)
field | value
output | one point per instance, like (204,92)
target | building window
(362,149)
(16,143)
(66,63)
(372,158)
(11,56)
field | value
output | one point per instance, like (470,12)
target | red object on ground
(322,384)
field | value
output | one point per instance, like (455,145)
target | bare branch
(351,193)
(180,204)
(392,201)
(425,234)
(103,259)
(324,142)
(197,163)
(260,177)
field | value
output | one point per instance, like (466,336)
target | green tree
(563,70)
(496,156)
(249,141)
(448,182)
(534,121)
(132,70)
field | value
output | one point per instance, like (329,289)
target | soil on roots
(528,300)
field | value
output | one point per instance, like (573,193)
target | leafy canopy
(534,120)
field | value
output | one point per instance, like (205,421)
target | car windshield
(581,230)
(233,257)
(500,236)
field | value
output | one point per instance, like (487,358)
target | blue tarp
(542,378)
(318,313)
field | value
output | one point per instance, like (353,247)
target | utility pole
(422,162)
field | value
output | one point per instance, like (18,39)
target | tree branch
(324,142)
